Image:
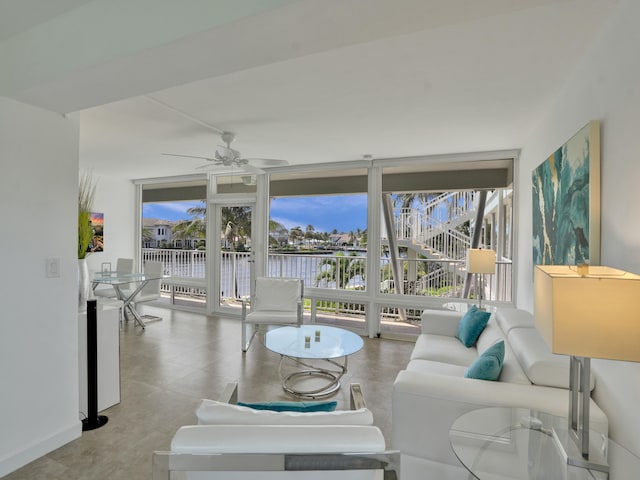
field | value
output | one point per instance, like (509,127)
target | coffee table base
(332,375)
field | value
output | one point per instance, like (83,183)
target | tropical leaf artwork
(563,220)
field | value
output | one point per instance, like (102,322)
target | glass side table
(515,443)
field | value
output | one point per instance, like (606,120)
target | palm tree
(147,235)
(295,234)
(276,232)
(341,270)
(196,227)
(237,222)
(309,233)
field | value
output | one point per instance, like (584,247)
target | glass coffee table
(320,352)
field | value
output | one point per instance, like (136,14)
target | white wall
(38,330)
(606,88)
(115,197)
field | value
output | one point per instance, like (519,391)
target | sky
(345,213)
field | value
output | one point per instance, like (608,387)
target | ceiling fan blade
(266,162)
(251,169)
(189,156)
(207,165)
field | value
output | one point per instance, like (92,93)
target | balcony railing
(423,277)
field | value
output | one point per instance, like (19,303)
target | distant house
(344,239)
(159,233)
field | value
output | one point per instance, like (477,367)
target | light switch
(53,267)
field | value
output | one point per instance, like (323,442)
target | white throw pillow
(212,412)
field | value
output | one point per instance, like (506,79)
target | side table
(515,443)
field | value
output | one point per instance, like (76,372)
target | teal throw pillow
(292,406)
(488,365)
(471,326)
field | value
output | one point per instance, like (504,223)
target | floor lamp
(481,262)
(586,312)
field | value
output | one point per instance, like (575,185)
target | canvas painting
(566,202)
(97,226)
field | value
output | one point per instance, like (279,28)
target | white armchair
(245,445)
(275,301)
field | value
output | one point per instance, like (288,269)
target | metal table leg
(331,370)
(127,301)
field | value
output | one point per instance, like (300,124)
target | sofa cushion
(440,322)
(540,365)
(442,348)
(489,364)
(490,335)
(471,325)
(430,366)
(511,370)
(212,412)
(508,318)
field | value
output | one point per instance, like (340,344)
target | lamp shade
(481,261)
(592,315)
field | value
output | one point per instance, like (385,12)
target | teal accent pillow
(488,365)
(292,406)
(471,325)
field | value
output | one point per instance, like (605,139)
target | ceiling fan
(230,157)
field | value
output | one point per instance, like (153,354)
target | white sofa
(432,392)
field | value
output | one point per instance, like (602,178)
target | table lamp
(481,262)
(586,312)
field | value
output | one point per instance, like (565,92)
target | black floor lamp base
(93,423)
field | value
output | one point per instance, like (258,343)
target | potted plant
(86,194)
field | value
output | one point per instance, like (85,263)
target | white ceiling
(338,80)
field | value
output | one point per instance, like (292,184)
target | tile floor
(166,370)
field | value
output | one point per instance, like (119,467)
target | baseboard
(17,460)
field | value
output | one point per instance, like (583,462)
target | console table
(515,443)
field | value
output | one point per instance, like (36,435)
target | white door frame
(259,203)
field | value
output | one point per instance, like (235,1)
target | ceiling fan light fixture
(228,137)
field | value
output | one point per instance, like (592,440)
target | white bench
(191,282)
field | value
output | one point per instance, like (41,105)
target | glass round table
(315,351)
(498,443)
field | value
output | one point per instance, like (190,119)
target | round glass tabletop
(516,443)
(313,341)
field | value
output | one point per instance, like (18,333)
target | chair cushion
(292,406)
(212,412)
(471,325)
(277,294)
(489,364)
(277,439)
(272,317)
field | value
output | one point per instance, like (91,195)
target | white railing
(178,263)
(424,277)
